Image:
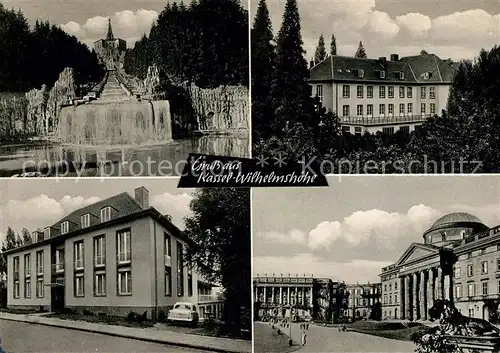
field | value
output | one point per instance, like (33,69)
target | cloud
(458,35)
(294,236)
(309,264)
(127,25)
(176,206)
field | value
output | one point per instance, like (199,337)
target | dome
(456,217)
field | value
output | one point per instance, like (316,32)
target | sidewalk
(154,335)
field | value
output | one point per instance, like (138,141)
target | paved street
(19,337)
(328,339)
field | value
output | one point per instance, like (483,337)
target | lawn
(401,331)
(102,319)
(268,341)
(204,329)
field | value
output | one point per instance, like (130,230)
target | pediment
(415,252)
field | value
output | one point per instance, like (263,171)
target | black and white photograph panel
(377,81)
(104,88)
(124,265)
(378,264)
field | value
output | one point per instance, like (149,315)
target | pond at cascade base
(162,159)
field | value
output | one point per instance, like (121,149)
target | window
(458,291)
(422,108)
(485,288)
(395,285)
(484,267)
(46,233)
(78,254)
(180,270)
(410,108)
(27,265)
(346,91)
(401,75)
(123,246)
(345,110)
(79,289)
(401,109)
(319,92)
(457,272)
(39,288)
(401,92)
(59,260)
(409,92)
(357,131)
(39,262)
(390,299)
(390,287)
(423,92)
(498,264)
(381,109)
(382,74)
(391,109)
(359,110)
(369,109)
(432,107)
(64,227)
(388,130)
(405,129)
(361,73)
(27,288)
(105,214)
(390,91)
(432,92)
(360,92)
(16,289)
(469,270)
(99,250)
(381,92)
(346,129)
(85,220)
(125,282)
(395,298)
(470,289)
(168,281)
(100,284)
(15,265)
(471,312)
(190,281)
(369,92)
(498,287)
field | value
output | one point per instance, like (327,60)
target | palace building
(371,95)
(362,298)
(322,298)
(114,256)
(420,275)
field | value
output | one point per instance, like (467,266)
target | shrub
(432,340)
(87,312)
(161,316)
(142,317)
(132,316)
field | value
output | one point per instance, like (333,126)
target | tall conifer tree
(360,53)
(320,53)
(333,45)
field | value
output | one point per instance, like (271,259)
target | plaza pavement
(155,335)
(328,339)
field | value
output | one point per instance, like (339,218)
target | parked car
(183,312)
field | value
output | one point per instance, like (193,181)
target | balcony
(168,261)
(381,120)
(206,298)
(57,268)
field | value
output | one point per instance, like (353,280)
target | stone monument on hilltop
(111,50)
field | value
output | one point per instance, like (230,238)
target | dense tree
(194,44)
(32,57)
(9,243)
(220,225)
(263,64)
(27,239)
(423,52)
(360,52)
(333,45)
(320,53)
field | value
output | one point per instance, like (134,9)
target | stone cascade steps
(112,89)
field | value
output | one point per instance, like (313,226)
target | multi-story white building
(114,256)
(371,95)
(362,298)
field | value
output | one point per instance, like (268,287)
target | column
(288,296)
(423,307)
(310,297)
(407,289)
(281,295)
(303,295)
(272,294)
(430,287)
(256,294)
(415,307)
(265,296)
(401,295)
(439,284)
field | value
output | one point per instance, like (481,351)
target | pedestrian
(304,338)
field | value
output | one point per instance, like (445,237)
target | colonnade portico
(419,290)
(284,295)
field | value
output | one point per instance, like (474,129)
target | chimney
(142,196)
(394,57)
(383,61)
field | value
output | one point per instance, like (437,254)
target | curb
(125,335)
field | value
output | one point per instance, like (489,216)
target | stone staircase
(112,89)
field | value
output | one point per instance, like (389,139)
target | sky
(359,224)
(455,29)
(36,203)
(88,19)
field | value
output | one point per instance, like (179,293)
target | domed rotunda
(453,227)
